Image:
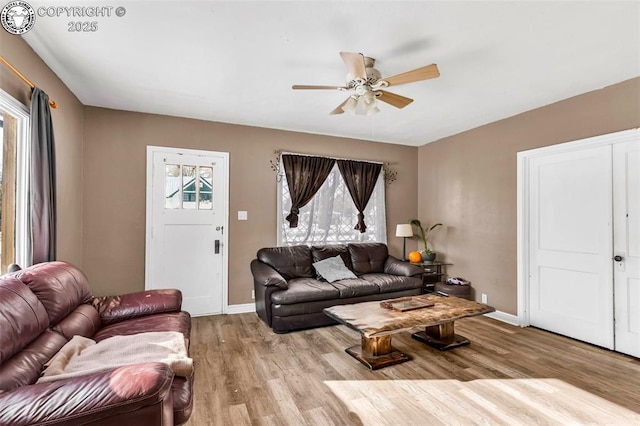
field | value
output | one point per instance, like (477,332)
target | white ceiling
(235,61)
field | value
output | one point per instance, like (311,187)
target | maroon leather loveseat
(44,306)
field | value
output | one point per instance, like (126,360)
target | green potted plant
(427,253)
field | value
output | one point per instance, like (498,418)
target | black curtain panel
(42,188)
(360,178)
(305,175)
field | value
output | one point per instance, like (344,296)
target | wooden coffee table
(377,324)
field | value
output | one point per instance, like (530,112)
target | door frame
(151,150)
(522,199)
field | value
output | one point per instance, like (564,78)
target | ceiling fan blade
(313,87)
(393,99)
(423,73)
(355,64)
(339,109)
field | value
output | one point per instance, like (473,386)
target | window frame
(280,215)
(10,106)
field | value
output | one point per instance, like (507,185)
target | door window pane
(189,187)
(206,188)
(172,186)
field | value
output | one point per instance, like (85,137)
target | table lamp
(404,230)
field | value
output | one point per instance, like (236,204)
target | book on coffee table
(404,304)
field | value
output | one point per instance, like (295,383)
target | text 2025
(86,26)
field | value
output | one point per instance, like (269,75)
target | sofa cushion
(174,321)
(355,287)
(333,269)
(290,262)
(368,257)
(113,309)
(83,321)
(324,252)
(389,283)
(22,317)
(300,309)
(305,290)
(25,367)
(60,286)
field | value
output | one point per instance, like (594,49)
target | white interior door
(626,209)
(570,244)
(186,219)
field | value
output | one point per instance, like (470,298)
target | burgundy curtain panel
(360,178)
(305,175)
(42,188)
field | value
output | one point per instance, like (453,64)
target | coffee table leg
(441,337)
(377,352)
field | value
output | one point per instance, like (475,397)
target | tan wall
(468,182)
(67,123)
(115,177)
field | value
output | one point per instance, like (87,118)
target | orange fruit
(415,257)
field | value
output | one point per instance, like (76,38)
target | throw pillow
(333,269)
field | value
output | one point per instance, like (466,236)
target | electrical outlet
(484,298)
(253,295)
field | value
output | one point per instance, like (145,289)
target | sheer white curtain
(331,215)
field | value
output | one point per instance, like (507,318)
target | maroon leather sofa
(290,296)
(44,306)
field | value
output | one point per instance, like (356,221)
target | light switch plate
(242,215)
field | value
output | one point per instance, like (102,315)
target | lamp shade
(404,230)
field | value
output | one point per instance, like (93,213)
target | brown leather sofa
(290,296)
(44,306)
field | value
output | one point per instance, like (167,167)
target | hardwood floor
(246,374)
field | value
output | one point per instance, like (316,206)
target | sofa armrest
(394,266)
(127,394)
(113,309)
(264,274)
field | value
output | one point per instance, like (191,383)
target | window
(188,187)
(330,216)
(14,176)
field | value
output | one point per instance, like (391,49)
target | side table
(433,273)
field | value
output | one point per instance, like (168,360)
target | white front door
(626,210)
(570,244)
(186,220)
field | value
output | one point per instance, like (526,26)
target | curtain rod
(333,158)
(25,79)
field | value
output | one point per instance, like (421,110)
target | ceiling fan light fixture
(362,106)
(373,109)
(371,105)
(350,105)
(366,83)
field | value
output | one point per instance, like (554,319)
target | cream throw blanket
(82,356)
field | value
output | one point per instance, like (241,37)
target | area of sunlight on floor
(487,401)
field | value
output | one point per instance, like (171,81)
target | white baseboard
(241,309)
(497,315)
(504,317)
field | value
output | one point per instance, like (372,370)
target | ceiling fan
(365,84)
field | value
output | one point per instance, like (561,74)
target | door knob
(618,258)
(216,246)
